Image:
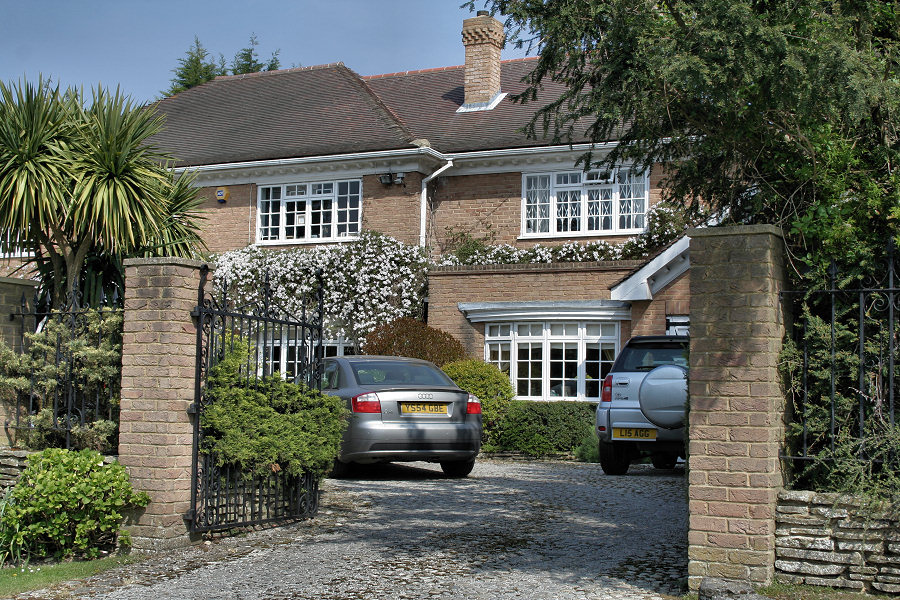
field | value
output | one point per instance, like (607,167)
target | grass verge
(16,580)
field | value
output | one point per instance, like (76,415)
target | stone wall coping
(19,281)
(165,260)
(830,499)
(607,265)
(732,230)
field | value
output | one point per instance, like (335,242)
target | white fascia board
(285,170)
(533,158)
(421,159)
(656,274)
(594,310)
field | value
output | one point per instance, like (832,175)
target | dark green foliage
(413,338)
(195,68)
(766,112)
(246,61)
(589,449)
(545,428)
(492,387)
(82,348)
(269,424)
(66,503)
(854,446)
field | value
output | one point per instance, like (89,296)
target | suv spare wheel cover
(663,396)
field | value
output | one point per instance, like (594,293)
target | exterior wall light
(392,178)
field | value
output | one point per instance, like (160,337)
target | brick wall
(158,358)
(490,205)
(649,317)
(502,283)
(392,209)
(389,209)
(230,225)
(736,404)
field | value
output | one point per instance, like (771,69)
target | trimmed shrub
(492,387)
(544,428)
(66,503)
(413,338)
(270,425)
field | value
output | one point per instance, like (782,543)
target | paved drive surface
(513,529)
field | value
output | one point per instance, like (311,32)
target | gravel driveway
(513,529)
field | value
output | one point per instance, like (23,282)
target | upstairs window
(309,212)
(575,203)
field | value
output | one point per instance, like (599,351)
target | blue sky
(136,43)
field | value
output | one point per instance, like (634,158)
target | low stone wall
(12,463)
(836,541)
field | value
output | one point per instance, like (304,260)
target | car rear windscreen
(391,373)
(644,357)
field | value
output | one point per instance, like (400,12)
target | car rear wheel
(665,460)
(457,468)
(614,459)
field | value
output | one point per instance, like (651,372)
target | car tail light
(606,394)
(473,405)
(366,403)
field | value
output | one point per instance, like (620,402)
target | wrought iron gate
(222,496)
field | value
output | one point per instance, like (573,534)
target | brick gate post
(155,430)
(736,418)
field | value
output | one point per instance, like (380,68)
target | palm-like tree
(78,180)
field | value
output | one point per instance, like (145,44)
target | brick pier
(736,404)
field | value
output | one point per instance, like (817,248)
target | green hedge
(492,387)
(544,428)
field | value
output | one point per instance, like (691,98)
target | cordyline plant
(81,180)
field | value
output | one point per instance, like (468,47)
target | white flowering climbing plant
(376,279)
(367,282)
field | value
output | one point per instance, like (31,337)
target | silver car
(642,404)
(403,409)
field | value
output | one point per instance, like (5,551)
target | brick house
(316,155)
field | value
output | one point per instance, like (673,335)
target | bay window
(550,360)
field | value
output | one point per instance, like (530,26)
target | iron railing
(73,360)
(222,496)
(842,368)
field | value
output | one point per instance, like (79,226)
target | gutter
(423,202)
(286,162)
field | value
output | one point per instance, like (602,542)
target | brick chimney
(482,36)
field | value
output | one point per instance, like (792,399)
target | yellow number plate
(633,433)
(422,408)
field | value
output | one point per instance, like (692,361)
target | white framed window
(309,212)
(284,354)
(12,247)
(553,360)
(575,203)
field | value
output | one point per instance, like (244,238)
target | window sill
(340,240)
(579,235)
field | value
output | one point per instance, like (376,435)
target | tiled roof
(279,114)
(329,109)
(426,102)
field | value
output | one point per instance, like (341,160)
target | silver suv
(642,404)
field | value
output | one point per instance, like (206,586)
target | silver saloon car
(403,409)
